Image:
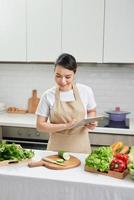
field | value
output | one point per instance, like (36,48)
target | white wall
(113,84)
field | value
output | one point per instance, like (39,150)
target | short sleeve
(43,108)
(91,99)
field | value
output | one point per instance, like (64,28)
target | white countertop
(29,120)
(18,181)
(18,120)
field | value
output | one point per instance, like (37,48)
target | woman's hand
(91,113)
(71,124)
(91,125)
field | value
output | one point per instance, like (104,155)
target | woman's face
(64,78)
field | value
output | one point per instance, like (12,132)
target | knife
(52,161)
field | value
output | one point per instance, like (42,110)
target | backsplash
(113,84)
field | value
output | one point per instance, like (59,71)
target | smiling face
(64,78)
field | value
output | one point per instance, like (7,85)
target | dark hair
(67,61)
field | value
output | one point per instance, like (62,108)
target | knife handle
(36,164)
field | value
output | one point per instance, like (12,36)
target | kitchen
(24,67)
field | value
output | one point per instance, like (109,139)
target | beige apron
(75,139)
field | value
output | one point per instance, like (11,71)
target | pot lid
(117,111)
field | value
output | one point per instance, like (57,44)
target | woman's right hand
(71,124)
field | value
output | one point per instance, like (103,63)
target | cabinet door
(82,29)
(43,30)
(119,31)
(12,30)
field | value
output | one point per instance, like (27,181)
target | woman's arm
(44,126)
(91,113)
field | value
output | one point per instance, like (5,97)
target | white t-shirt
(48,98)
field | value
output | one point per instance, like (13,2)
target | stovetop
(106,123)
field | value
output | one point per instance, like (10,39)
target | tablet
(88,120)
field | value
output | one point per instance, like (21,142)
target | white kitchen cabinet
(12,30)
(82,29)
(119,31)
(43,30)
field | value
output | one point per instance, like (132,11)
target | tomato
(123,157)
(117,165)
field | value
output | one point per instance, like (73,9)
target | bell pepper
(117,165)
(123,157)
(117,147)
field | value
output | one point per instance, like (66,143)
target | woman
(64,105)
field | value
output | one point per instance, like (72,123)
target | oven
(28,138)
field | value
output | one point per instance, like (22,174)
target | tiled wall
(113,84)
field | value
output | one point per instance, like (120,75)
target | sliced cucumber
(60,160)
(64,155)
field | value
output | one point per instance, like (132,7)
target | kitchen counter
(18,120)
(18,181)
(29,120)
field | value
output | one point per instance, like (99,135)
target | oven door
(27,137)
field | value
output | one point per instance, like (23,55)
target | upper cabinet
(119,31)
(82,29)
(12,30)
(100,31)
(43,30)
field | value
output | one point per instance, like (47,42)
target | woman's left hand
(91,125)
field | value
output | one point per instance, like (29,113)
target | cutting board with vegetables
(33,102)
(13,154)
(53,162)
(119,175)
(110,161)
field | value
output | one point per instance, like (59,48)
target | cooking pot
(117,115)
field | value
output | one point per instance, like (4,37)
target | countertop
(18,120)
(18,181)
(29,120)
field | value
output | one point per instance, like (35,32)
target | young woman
(64,105)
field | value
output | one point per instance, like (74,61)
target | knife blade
(52,161)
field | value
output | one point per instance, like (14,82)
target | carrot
(125,150)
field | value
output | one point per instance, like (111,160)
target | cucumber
(60,160)
(64,155)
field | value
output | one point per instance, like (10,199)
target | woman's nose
(63,80)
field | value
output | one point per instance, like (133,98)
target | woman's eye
(68,77)
(58,76)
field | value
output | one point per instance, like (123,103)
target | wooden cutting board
(33,102)
(11,162)
(71,163)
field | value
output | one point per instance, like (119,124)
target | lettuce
(14,152)
(100,158)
